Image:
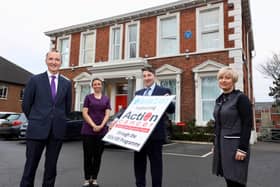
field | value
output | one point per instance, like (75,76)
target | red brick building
(12,82)
(186,41)
(267,115)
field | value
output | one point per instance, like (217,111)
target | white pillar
(138,83)
(77,89)
(113,97)
(178,98)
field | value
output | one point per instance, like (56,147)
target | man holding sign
(153,146)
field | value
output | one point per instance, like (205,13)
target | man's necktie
(53,89)
(147,91)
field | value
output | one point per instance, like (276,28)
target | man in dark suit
(46,102)
(153,146)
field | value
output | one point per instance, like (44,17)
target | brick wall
(102,44)
(148,31)
(71,74)
(187,77)
(123,41)
(148,41)
(188,23)
(75,49)
(13,102)
(227,30)
(275,117)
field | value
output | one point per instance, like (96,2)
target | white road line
(166,145)
(172,154)
(207,154)
(187,155)
(183,155)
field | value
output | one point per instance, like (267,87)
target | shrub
(193,133)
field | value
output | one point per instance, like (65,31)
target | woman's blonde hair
(228,71)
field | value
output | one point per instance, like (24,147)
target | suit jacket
(159,132)
(45,115)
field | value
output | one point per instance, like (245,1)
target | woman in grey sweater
(233,123)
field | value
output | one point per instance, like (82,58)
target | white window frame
(205,69)
(200,101)
(83,78)
(127,44)
(64,64)
(164,78)
(78,102)
(82,50)
(111,57)
(220,7)
(159,18)
(2,86)
(168,72)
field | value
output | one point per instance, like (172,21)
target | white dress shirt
(151,90)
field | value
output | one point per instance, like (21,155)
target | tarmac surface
(186,164)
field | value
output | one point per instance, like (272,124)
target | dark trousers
(231,183)
(153,150)
(93,147)
(34,149)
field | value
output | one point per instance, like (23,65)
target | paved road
(185,165)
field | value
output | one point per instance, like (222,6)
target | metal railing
(269,134)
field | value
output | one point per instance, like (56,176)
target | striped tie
(147,91)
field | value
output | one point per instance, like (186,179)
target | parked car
(11,126)
(115,117)
(73,129)
(4,115)
(74,125)
(22,130)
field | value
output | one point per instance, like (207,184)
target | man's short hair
(149,69)
(54,50)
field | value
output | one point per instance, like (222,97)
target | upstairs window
(87,49)
(210,28)
(115,43)
(168,35)
(64,48)
(132,35)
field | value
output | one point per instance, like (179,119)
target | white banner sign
(138,121)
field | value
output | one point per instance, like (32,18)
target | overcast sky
(23,24)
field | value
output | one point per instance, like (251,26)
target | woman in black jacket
(233,123)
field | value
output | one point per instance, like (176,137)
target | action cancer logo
(142,116)
(148,116)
